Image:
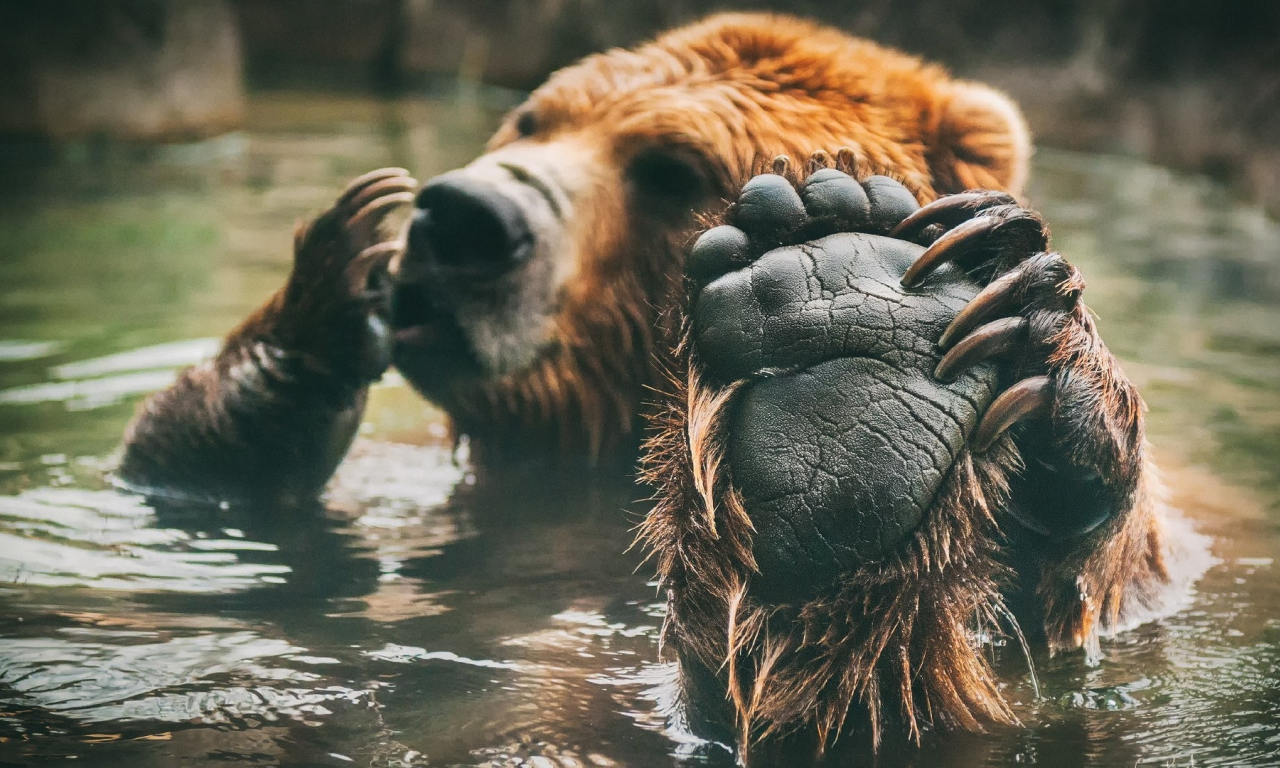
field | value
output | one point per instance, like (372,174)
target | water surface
(432,614)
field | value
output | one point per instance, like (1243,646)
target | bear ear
(982,141)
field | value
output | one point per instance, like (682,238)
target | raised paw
(825,534)
(841,435)
(1081,440)
(865,392)
(335,304)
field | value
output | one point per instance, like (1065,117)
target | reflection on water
(432,613)
(65,537)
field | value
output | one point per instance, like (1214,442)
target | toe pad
(832,194)
(769,204)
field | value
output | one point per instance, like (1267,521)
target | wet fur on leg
(271,415)
(1099,583)
(895,642)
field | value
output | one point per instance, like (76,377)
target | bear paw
(838,458)
(1083,497)
(1083,449)
(335,306)
(841,434)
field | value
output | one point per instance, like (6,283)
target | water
(433,614)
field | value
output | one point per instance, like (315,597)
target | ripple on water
(65,537)
(103,381)
(233,678)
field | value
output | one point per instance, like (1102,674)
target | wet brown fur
(1089,588)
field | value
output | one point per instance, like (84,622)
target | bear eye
(668,177)
(526,124)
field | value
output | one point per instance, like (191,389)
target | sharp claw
(952,245)
(1028,398)
(372,209)
(996,297)
(378,250)
(950,211)
(993,339)
(781,164)
(370,260)
(380,188)
(360,182)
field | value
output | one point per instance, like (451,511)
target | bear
(787,271)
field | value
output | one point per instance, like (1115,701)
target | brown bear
(871,426)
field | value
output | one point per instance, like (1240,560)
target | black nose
(468,229)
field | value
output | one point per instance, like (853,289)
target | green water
(434,615)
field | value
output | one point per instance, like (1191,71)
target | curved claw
(959,241)
(950,211)
(993,339)
(380,188)
(997,297)
(357,184)
(1028,398)
(370,212)
(371,260)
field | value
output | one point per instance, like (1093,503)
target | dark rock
(141,70)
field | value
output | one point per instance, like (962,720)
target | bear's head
(533,285)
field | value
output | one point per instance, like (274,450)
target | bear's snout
(476,290)
(467,230)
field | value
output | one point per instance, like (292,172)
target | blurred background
(155,155)
(1188,84)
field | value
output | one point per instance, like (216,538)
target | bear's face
(534,279)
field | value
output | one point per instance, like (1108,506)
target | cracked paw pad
(844,437)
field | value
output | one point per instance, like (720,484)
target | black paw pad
(836,196)
(717,251)
(890,203)
(768,204)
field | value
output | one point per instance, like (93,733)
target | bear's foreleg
(828,542)
(271,415)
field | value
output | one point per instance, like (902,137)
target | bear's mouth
(430,348)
